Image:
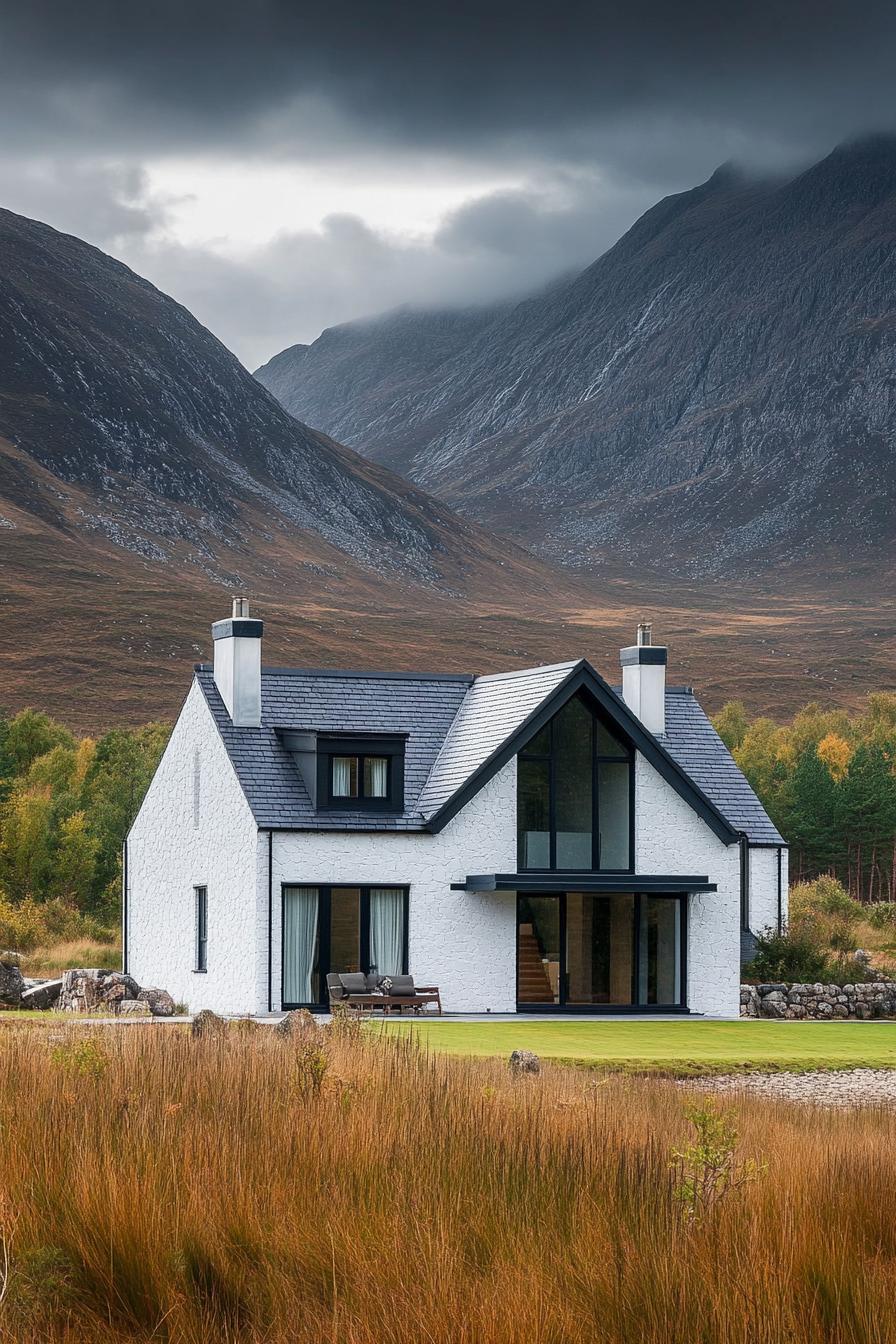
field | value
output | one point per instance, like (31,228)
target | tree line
(66,803)
(828,781)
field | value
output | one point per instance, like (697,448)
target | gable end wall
(169,854)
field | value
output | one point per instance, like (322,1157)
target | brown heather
(155,1187)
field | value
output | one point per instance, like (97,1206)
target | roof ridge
(529,671)
(319,672)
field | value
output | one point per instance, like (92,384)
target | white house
(528,841)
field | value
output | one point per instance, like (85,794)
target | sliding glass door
(615,950)
(339,929)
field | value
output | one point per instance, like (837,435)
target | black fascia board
(584,677)
(569,880)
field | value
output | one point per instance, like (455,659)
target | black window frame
(391,747)
(200,895)
(324,897)
(611,1009)
(597,759)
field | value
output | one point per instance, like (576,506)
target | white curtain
(386,931)
(342,776)
(376,771)
(299,943)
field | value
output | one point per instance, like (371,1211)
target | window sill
(198,971)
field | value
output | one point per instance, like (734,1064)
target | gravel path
(849,1087)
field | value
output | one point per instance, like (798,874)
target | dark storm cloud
(595,109)
(460,77)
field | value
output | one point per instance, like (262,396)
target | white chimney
(644,681)
(238,665)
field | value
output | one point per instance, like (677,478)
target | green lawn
(684,1047)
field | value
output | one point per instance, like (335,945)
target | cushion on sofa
(354,982)
(402,986)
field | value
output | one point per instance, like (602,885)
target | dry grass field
(253,1188)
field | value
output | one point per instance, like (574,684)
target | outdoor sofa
(362,993)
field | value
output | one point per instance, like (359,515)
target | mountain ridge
(712,394)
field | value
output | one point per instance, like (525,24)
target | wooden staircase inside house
(534,985)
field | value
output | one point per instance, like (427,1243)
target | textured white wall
(764,888)
(671,838)
(463,942)
(175,846)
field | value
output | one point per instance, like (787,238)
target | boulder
(12,982)
(42,994)
(298,1024)
(133,1008)
(159,1001)
(87,988)
(207,1023)
(524,1061)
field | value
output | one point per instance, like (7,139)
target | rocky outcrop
(41,993)
(818,1002)
(12,983)
(85,990)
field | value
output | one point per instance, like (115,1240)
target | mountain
(714,396)
(144,474)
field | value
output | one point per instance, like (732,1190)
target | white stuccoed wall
(764,888)
(168,855)
(463,942)
(671,838)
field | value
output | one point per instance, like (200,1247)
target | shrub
(709,1169)
(792,956)
(882,915)
(825,897)
(30,924)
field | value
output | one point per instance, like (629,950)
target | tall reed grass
(249,1188)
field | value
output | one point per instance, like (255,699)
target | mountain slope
(143,470)
(714,395)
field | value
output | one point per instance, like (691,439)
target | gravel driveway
(849,1087)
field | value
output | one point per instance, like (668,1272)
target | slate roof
(454,725)
(494,708)
(692,741)
(424,707)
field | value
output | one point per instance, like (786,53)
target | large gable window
(574,795)
(361,773)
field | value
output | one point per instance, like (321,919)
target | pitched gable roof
(460,731)
(567,679)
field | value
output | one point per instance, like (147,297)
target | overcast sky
(280,167)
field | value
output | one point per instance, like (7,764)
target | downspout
(124,906)
(744,883)
(780,895)
(270,921)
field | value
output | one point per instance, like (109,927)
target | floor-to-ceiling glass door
(616,950)
(337,930)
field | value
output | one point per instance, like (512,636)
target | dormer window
(360,774)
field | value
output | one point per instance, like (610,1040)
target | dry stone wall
(863,1001)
